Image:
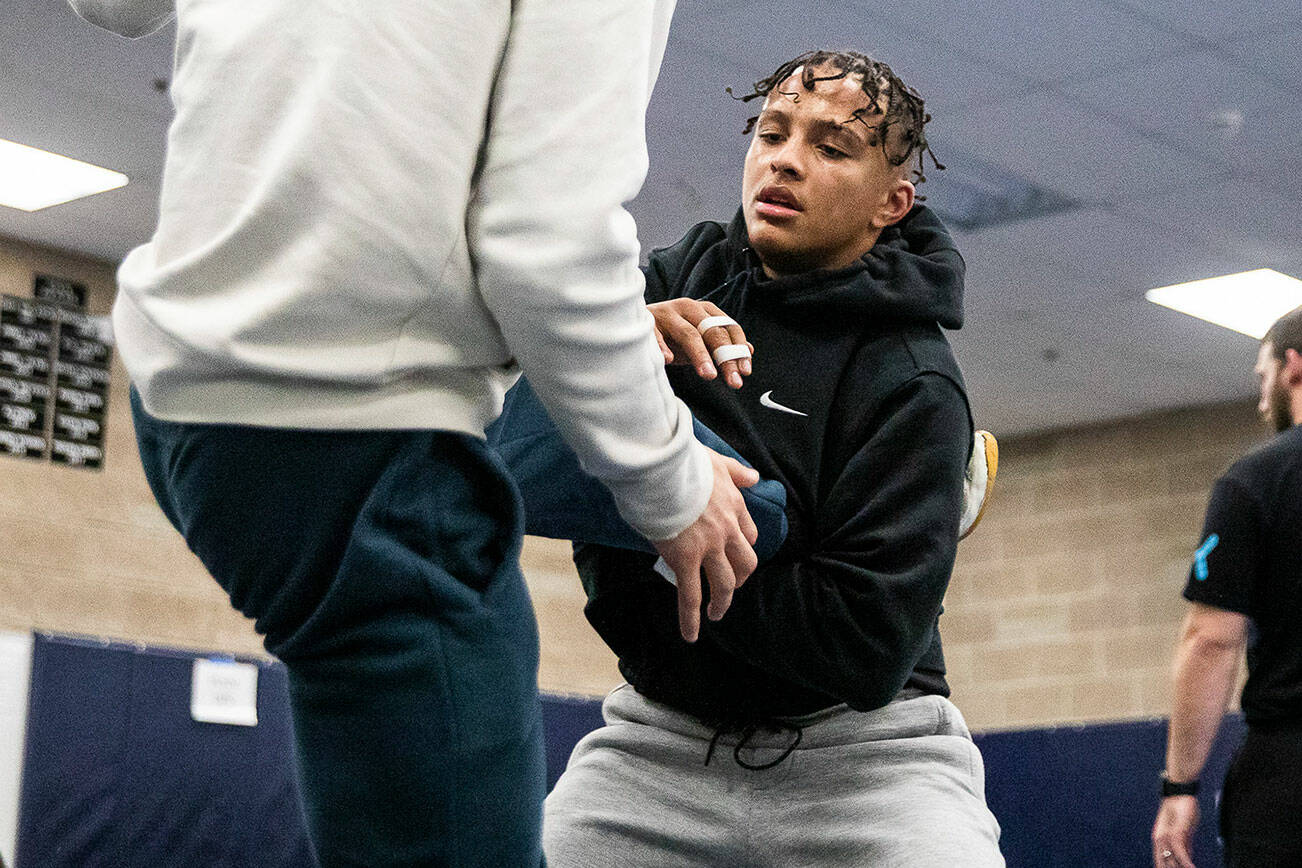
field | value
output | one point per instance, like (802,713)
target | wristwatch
(1178,788)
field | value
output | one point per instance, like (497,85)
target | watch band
(1178,788)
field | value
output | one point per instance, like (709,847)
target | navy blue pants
(382,567)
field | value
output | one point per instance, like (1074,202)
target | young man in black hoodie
(810,726)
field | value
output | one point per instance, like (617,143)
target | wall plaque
(51,354)
(59,291)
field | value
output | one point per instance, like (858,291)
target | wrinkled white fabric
(369,212)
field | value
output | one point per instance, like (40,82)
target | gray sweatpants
(900,786)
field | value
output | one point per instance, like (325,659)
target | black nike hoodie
(857,406)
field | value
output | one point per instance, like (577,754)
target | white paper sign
(223,691)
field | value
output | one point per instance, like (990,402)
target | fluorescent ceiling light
(32,179)
(1247,302)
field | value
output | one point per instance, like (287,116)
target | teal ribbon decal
(1200,556)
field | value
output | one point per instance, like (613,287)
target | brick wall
(1064,605)
(1065,602)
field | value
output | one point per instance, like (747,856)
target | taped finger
(715,322)
(730,353)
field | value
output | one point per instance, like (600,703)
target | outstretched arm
(1206,664)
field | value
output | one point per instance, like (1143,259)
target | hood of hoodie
(914,273)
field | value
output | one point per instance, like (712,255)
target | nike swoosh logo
(766,401)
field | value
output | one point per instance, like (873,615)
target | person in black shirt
(810,725)
(1245,590)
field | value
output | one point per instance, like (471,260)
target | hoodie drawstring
(747,732)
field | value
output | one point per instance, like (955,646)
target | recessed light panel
(32,179)
(1247,302)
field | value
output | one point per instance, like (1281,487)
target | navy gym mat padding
(117,773)
(566,719)
(1085,796)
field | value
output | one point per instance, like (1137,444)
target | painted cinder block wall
(1064,605)
(1065,602)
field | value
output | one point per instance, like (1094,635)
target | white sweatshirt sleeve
(556,253)
(131,18)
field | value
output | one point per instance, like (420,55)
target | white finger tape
(665,572)
(730,352)
(713,322)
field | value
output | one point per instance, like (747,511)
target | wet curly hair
(897,126)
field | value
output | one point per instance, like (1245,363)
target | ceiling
(1173,130)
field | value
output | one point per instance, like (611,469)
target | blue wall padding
(118,774)
(566,719)
(1085,796)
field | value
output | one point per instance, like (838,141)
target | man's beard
(1279,414)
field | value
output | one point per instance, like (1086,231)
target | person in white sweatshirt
(371,214)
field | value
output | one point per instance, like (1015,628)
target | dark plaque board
(82,379)
(76,454)
(86,377)
(27,333)
(29,365)
(28,418)
(80,401)
(81,429)
(18,390)
(26,339)
(81,325)
(60,291)
(22,444)
(25,311)
(53,355)
(83,351)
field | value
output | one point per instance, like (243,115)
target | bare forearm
(1204,677)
